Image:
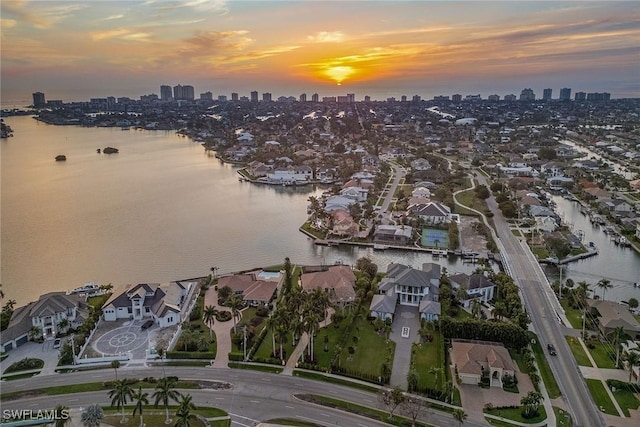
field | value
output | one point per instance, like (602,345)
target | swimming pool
(266,275)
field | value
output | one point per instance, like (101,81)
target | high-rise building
(303,97)
(266,97)
(546,94)
(597,96)
(416,98)
(527,95)
(493,98)
(456,98)
(146,99)
(442,98)
(403,98)
(565,94)
(315,97)
(510,98)
(581,96)
(367,98)
(234,96)
(206,96)
(188,92)
(39,99)
(351,97)
(222,98)
(165,93)
(254,96)
(178,92)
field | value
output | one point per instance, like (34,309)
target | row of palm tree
(164,393)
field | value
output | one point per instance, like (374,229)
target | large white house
(165,303)
(292,174)
(432,212)
(408,286)
(477,286)
(53,312)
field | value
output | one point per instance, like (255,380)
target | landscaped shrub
(223,316)
(25,364)
(262,311)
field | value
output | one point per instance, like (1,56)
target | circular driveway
(125,339)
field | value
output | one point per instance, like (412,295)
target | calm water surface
(162,209)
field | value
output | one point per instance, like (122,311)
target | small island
(110,150)
(61,158)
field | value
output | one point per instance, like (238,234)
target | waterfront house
(432,212)
(429,310)
(393,234)
(291,175)
(338,280)
(358,194)
(334,203)
(611,314)
(409,286)
(473,360)
(258,169)
(593,193)
(164,303)
(253,290)
(45,315)
(382,307)
(343,224)
(477,286)
(617,206)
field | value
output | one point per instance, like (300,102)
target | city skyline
(77,50)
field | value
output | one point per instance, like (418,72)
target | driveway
(122,337)
(44,351)
(405,317)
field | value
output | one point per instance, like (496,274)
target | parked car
(552,349)
(147,324)
(56,343)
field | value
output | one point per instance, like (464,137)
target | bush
(223,316)
(25,364)
(262,311)
(190,355)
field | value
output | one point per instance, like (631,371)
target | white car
(56,343)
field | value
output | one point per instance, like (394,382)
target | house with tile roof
(473,359)
(45,314)
(253,290)
(338,280)
(610,315)
(164,303)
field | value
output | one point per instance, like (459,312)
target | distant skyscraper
(206,96)
(367,98)
(443,98)
(254,96)
(39,100)
(165,93)
(565,94)
(416,98)
(315,97)
(581,96)
(510,98)
(188,92)
(546,94)
(597,96)
(456,98)
(266,97)
(234,96)
(351,97)
(527,95)
(303,97)
(493,98)
(403,98)
(178,93)
(222,98)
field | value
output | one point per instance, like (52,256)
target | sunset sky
(74,50)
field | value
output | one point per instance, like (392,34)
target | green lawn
(265,350)
(468,198)
(578,351)
(156,416)
(603,355)
(364,359)
(574,316)
(425,356)
(627,400)
(563,418)
(545,371)
(515,414)
(601,397)
(324,346)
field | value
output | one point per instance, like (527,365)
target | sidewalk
(292,362)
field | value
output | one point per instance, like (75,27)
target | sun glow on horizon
(339,73)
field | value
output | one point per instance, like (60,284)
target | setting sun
(339,73)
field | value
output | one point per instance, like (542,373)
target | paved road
(545,312)
(254,396)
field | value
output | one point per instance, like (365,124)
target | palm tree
(120,395)
(208,317)
(165,391)
(618,336)
(92,416)
(184,414)
(604,284)
(476,308)
(234,303)
(280,334)
(63,325)
(459,415)
(633,359)
(115,364)
(435,372)
(270,325)
(62,418)
(140,399)
(35,332)
(311,325)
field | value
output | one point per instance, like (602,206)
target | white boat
(379,247)
(439,252)
(87,288)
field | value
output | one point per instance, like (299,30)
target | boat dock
(555,261)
